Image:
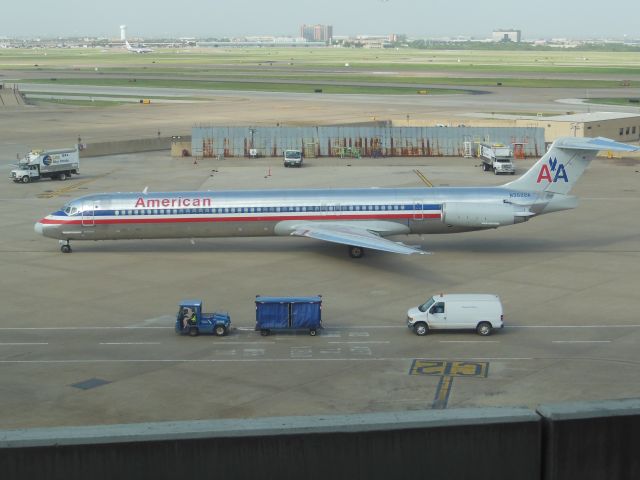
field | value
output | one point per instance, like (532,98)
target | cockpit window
(69,210)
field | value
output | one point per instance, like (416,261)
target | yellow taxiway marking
(422,177)
(69,188)
(447,370)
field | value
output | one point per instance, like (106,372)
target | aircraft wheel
(356,252)
(484,329)
(220,330)
(66,248)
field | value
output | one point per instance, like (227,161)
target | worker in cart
(188,316)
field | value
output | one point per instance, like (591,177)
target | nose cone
(38,228)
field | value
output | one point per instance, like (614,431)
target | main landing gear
(65,246)
(356,252)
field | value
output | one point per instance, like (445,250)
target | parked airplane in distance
(360,218)
(142,49)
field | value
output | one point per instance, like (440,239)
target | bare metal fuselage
(268,212)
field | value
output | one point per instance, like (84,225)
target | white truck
(38,164)
(479,312)
(496,157)
(293,158)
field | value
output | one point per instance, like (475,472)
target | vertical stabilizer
(565,161)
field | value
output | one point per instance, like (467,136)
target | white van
(478,312)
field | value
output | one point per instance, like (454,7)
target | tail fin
(565,161)
(126,42)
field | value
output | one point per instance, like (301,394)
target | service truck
(191,320)
(293,158)
(479,312)
(38,164)
(288,313)
(496,157)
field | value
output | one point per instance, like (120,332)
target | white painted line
(604,325)
(86,328)
(385,341)
(130,343)
(469,341)
(345,328)
(250,360)
(225,343)
(18,343)
(581,341)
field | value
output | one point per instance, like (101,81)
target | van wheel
(26,179)
(484,329)
(264,332)
(313,332)
(193,332)
(421,329)
(220,330)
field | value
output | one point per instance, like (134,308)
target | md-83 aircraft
(359,218)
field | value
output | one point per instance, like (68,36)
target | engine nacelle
(479,215)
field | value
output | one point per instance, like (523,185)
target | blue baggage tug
(192,321)
(288,313)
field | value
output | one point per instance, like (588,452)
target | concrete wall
(458,444)
(585,440)
(591,440)
(125,146)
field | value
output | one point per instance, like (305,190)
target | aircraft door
(418,213)
(88,213)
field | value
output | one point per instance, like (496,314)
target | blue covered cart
(288,313)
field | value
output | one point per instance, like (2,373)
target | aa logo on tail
(553,172)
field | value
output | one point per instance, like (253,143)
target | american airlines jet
(137,49)
(359,218)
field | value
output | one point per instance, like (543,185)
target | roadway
(87,337)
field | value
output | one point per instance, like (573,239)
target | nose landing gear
(65,246)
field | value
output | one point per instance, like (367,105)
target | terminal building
(619,126)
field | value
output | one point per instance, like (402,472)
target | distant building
(317,33)
(507,36)
(623,127)
(123,33)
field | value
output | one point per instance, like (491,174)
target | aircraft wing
(352,236)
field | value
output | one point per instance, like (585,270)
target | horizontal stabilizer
(597,144)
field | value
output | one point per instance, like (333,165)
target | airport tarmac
(87,337)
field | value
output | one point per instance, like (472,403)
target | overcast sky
(416,18)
